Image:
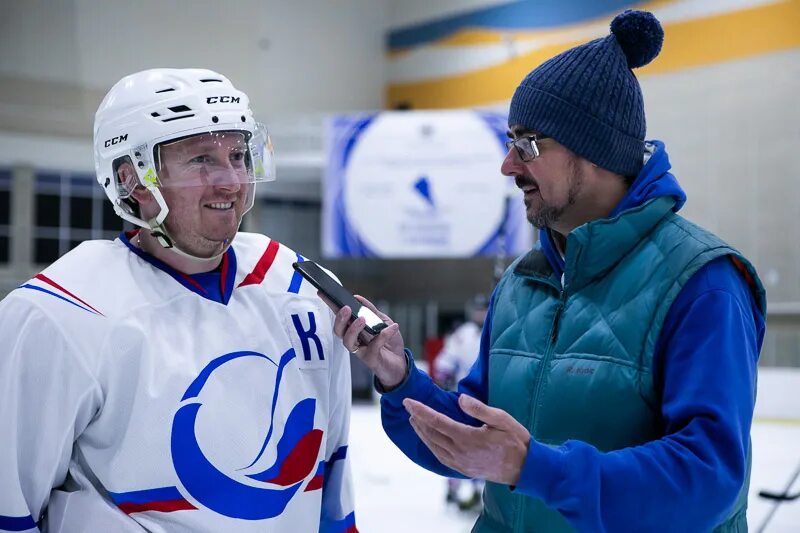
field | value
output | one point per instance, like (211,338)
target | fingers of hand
(439,426)
(471,454)
(350,338)
(341,321)
(379,341)
(474,451)
(432,434)
(443,453)
(387,333)
(488,415)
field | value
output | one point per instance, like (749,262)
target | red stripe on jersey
(315,483)
(162,507)
(300,461)
(223,275)
(49,281)
(191,281)
(257,275)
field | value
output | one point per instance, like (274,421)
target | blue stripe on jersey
(230,275)
(298,425)
(199,382)
(285,359)
(338,526)
(338,455)
(146,496)
(206,284)
(297,279)
(51,293)
(17,523)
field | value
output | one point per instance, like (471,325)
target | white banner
(420,184)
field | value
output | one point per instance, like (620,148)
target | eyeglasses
(526,146)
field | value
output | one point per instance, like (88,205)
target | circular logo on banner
(425,184)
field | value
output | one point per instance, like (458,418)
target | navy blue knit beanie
(588,99)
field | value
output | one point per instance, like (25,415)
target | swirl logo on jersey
(255,496)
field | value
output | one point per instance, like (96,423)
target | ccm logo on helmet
(222,100)
(116,140)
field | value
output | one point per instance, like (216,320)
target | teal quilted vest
(576,363)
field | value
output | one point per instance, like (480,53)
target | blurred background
(404,101)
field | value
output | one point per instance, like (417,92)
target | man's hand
(495,451)
(383,353)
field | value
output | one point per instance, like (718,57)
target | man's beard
(192,240)
(548,214)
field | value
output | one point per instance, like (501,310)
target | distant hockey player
(181,377)
(450,366)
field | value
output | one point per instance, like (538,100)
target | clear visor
(216,158)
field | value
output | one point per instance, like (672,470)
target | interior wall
(403,13)
(59,58)
(732,133)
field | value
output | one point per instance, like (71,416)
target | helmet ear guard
(125,205)
(125,185)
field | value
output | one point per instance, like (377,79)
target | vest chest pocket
(596,401)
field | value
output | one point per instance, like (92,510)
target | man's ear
(129,180)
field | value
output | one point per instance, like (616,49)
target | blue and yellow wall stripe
(477,59)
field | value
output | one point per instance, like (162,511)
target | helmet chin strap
(159,231)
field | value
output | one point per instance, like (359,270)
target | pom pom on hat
(639,34)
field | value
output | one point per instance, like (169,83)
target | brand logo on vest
(580,370)
(297,453)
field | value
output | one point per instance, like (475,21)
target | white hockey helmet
(150,108)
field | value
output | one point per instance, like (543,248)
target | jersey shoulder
(98,277)
(267,262)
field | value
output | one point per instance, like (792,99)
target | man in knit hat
(615,383)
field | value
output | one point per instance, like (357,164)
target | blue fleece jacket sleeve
(420,387)
(689,479)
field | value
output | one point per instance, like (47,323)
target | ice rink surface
(395,495)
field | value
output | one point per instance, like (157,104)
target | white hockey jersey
(459,352)
(134,397)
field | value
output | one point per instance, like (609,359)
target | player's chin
(214,243)
(222,230)
(222,241)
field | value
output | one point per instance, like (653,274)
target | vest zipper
(556,320)
(562,298)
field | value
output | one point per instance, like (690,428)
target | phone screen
(338,294)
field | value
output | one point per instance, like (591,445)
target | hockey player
(181,377)
(452,365)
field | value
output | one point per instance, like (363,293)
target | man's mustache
(522,181)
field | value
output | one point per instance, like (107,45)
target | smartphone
(339,295)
